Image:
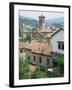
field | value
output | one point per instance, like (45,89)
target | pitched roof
(39,48)
(57,31)
(23,45)
(41,16)
(38,33)
(47,31)
(42,48)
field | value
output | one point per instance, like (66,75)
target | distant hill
(28,21)
(57,22)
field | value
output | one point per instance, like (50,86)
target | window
(60,45)
(34,58)
(40,60)
(48,61)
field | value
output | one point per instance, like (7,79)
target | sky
(36,14)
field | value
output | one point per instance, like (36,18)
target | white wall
(4,45)
(59,36)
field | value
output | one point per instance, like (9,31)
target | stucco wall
(44,60)
(54,41)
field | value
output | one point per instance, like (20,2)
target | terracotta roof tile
(43,30)
(24,45)
(42,48)
(39,48)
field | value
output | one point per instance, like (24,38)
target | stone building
(38,52)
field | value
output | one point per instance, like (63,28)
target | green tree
(28,38)
(23,69)
(38,73)
(58,61)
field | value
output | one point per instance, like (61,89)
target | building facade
(43,42)
(57,41)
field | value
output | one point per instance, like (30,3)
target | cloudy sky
(36,14)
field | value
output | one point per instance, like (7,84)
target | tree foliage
(23,69)
(26,73)
(38,73)
(59,58)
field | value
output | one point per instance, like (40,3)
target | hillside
(28,21)
(57,22)
(25,22)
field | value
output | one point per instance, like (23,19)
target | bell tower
(41,22)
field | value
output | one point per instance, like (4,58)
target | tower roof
(41,16)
